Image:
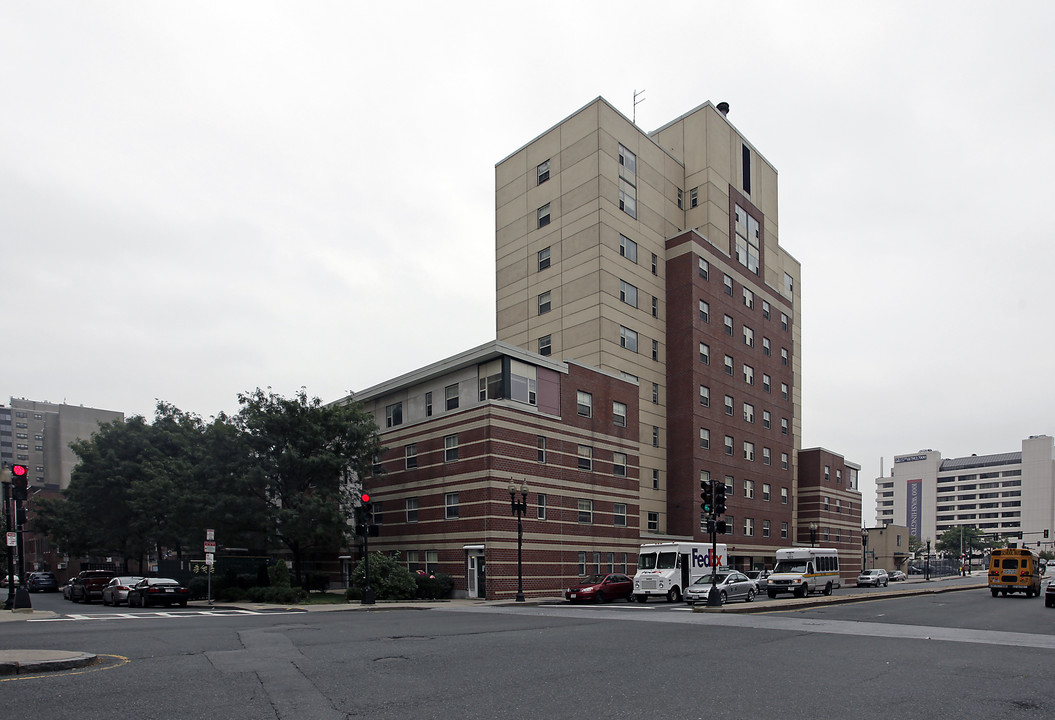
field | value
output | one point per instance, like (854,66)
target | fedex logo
(707,559)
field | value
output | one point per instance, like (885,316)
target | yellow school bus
(1014,570)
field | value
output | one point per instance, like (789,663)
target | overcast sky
(202,198)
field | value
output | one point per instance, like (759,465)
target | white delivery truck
(800,571)
(666,569)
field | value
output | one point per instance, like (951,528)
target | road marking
(167,615)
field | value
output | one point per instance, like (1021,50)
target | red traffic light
(366,498)
(19,470)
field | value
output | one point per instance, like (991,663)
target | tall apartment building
(655,257)
(1007,494)
(43,432)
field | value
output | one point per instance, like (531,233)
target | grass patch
(325,598)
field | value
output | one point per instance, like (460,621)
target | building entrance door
(477,575)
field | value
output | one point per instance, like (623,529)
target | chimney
(723,108)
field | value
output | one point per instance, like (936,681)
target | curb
(27,662)
(798,603)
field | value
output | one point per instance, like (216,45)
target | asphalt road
(962,654)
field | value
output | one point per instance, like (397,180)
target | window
(767,456)
(783,356)
(619,414)
(705,353)
(653,522)
(628,248)
(749,336)
(694,197)
(838,476)
(584,403)
(450,396)
(728,404)
(655,264)
(542,172)
(619,516)
(541,456)
(765,491)
(680,199)
(705,396)
(705,438)
(730,522)
(619,464)
(727,322)
(627,162)
(783,322)
(749,412)
(766,350)
(655,393)
(582,562)
(784,530)
(749,450)
(585,457)
(838,505)
(749,526)
(729,490)
(585,510)
(628,339)
(705,269)
(410,456)
(827,473)
(450,448)
(544,303)
(394,415)
(765,528)
(749,489)
(655,306)
(705,311)
(543,258)
(728,364)
(428,404)
(783,496)
(628,293)
(543,215)
(767,419)
(745,157)
(545,345)
(783,461)
(655,350)
(765,309)
(749,374)
(748,239)
(729,444)
(627,197)
(541,506)
(749,298)
(783,426)
(789,284)
(450,500)
(655,436)
(784,392)
(727,285)
(827,505)
(412,510)
(767,382)
(655,479)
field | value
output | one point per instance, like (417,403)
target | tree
(962,539)
(914,544)
(305,463)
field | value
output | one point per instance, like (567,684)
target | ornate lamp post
(519,509)
(813,534)
(864,550)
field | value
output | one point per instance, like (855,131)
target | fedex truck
(666,569)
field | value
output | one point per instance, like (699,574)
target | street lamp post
(926,562)
(519,509)
(813,534)
(864,549)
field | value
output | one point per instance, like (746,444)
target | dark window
(746,151)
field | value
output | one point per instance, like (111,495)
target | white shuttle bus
(801,571)
(666,569)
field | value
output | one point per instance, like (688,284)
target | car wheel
(642,598)
(674,594)
(722,598)
(772,594)
(828,589)
(183,603)
(750,596)
(630,597)
(995,592)
(886,583)
(600,598)
(803,591)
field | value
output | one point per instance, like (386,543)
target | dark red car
(157,591)
(89,584)
(601,588)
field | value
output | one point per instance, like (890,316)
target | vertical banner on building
(915,509)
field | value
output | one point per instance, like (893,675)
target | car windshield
(593,580)
(161,581)
(667,561)
(646,561)
(790,566)
(706,579)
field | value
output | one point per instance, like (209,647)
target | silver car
(761,579)
(116,591)
(875,578)
(732,585)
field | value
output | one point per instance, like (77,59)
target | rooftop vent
(723,108)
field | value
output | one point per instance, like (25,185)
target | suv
(874,577)
(89,584)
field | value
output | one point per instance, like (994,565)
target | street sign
(209,559)
(210,547)
(12,539)
(210,534)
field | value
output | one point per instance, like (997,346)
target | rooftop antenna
(636,101)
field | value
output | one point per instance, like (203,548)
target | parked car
(89,584)
(601,588)
(731,585)
(875,578)
(116,591)
(157,591)
(897,575)
(4,580)
(67,589)
(42,582)
(760,578)
(1049,595)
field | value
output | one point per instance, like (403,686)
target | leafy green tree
(389,579)
(304,464)
(963,539)
(914,544)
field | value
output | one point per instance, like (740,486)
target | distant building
(886,547)
(829,506)
(43,432)
(1010,495)
(459,432)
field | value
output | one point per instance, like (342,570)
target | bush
(199,587)
(433,586)
(276,595)
(317,582)
(279,574)
(388,579)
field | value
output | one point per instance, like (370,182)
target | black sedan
(157,591)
